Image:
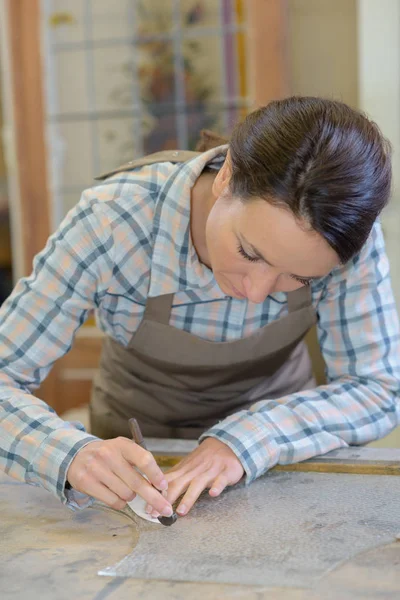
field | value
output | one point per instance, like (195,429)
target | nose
(258,285)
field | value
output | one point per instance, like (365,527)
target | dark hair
(326,162)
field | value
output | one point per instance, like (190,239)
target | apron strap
(159,309)
(173,156)
(301,298)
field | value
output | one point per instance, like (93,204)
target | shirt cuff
(51,461)
(77,500)
(251,439)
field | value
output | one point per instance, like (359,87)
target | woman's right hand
(105,469)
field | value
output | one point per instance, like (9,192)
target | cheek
(220,245)
(212,228)
(226,259)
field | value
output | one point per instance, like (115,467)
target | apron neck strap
(300,298)
(159,309)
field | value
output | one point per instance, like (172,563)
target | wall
(2,160)
(323,48)
(350,50)
(379,95)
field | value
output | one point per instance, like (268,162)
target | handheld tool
(138,439)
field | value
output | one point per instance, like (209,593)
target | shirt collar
(175,263)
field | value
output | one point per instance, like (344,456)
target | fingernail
(163,484)
(181,509)
(148,509)
(214,490)
(167,512)
(155,514)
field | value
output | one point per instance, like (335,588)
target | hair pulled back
(324,161)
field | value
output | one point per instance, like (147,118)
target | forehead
(283,240)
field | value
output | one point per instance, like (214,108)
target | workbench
(326,528)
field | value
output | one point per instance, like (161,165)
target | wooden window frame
(23,20)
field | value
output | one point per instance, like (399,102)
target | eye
(242,251)
(302,281)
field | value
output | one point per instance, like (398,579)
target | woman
(205,275)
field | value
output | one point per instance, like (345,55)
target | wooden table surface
(49,552)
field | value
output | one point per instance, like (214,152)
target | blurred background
(89,84)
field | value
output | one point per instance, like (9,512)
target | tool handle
(138,438)
(136,433)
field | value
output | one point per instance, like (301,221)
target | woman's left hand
(211,465)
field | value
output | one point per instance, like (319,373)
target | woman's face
(256,249)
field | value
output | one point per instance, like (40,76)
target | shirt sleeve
(358,331)
(37,326)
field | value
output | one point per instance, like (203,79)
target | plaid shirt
(129,239)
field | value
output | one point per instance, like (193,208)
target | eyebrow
(259,255)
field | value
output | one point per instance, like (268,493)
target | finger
(218,485)
(178,488)
(120,467)
(151,496)
(179,480)
(175,472)
(149,509)
(188,465)
(145,461)
(194,490)
(104,494)
(104,475)
(126,472)
(166,510)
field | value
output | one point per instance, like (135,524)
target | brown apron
(178,385)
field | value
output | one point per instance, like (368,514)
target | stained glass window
(131,77)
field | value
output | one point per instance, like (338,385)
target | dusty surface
(289,536)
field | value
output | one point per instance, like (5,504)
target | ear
(223,177)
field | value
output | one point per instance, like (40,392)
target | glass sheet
(285,529)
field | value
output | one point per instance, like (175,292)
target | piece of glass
(75,165)
(285,529)
(114,78)
(70,84)
(66,20)
(111,20)
(153,18)
(199,13)
(159,128)
(118,142)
